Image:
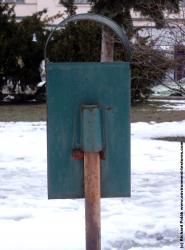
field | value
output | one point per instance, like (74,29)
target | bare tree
(170,40)
(120,11)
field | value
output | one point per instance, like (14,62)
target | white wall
(52,6)
(22,10)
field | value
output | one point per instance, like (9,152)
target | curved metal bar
(100,19)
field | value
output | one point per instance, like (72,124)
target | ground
(149,220)
(160,109)
(153,110)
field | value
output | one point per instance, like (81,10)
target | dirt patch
(155,111)
(29,113)
(139,115)
(178,138)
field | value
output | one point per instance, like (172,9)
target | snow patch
(147,220)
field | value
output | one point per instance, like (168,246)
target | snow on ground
(143,130)
(147,220)
(168,104)
(168,88)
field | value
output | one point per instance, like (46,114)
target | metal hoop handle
(96,18)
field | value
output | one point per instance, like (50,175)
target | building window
(80,1)
(12,1)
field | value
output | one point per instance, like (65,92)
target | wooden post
(92,200)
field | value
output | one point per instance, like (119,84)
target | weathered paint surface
(92,200)
(71,85)
(91,126)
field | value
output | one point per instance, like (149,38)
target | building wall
(28,7)
(25,9)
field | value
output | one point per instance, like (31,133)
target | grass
(29,112)
(139,113)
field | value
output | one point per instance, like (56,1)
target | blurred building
(28,7)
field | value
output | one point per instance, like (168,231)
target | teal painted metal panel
(69,86)
(91,128)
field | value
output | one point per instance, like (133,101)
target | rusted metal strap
(119,31)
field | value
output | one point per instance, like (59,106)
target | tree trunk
(107,45)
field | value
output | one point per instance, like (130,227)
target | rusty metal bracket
(78,154)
